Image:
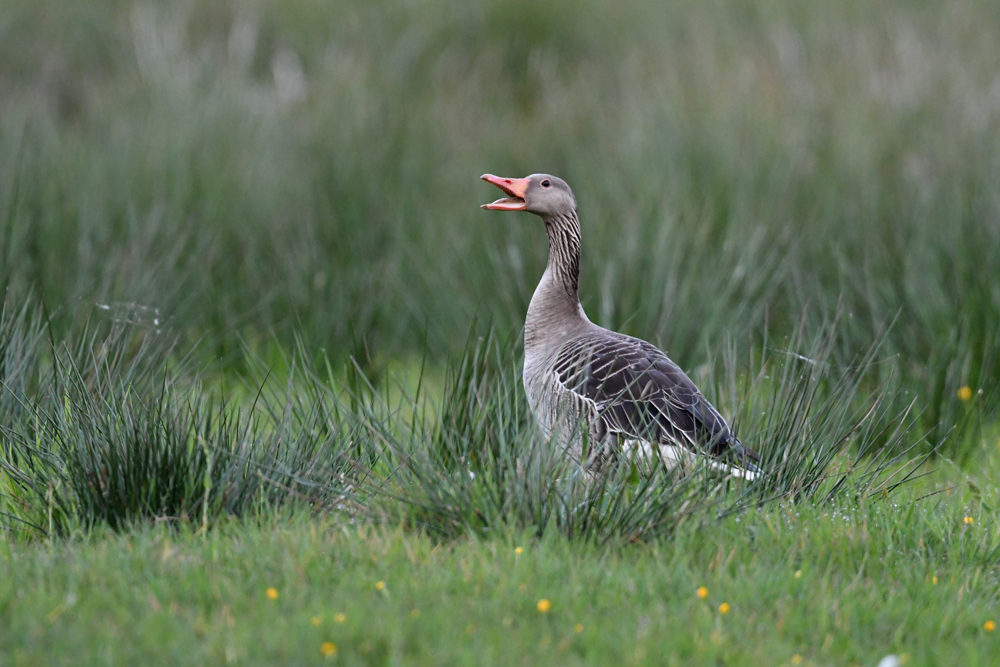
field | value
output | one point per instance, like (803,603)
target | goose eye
(546,183)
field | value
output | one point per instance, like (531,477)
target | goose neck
(564,253)
(555,313)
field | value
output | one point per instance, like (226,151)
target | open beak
(515,187)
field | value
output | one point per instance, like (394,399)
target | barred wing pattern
(640,394)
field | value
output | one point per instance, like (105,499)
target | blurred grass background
(244,172)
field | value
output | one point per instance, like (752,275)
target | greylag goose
(623,391)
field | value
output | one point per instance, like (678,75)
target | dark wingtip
(747,458)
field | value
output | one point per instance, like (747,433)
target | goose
(624,392)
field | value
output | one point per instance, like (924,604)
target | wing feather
(639,393)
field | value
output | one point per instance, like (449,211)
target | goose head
(541,194)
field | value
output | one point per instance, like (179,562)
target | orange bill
(515,187)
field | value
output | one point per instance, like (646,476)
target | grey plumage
(578,375)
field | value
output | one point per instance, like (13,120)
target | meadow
(256,332)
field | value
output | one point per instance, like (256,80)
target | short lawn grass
(791,585)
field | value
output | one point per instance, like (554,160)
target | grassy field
(256,331)
(842,586)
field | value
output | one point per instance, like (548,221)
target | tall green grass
(244,170)
(107,427)
(110,425)
(242,173)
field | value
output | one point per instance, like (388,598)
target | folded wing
(639,393)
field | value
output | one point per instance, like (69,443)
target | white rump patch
(673,456)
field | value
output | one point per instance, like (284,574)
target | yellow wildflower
(968,521)
(380,585)
(796,659)
(965,394)
(702,592)
(578,628)
(329,649)
(518,551)
(798,574)
(315,620)
(272,593)
(934,580)
(989,626)
(724,608)
(339,618)
(544,605)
